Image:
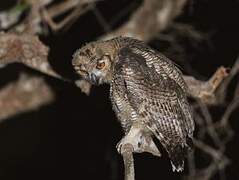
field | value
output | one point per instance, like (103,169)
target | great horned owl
(147,92)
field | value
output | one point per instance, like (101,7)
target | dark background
(75,136)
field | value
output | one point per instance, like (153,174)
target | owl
(148,95)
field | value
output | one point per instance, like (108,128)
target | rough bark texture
(26,94)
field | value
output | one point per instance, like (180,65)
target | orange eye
(100,65)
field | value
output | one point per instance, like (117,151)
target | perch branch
(127,153)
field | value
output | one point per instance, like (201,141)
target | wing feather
(167,68)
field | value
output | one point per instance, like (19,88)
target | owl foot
(139,141)
(149,146)
(125,142)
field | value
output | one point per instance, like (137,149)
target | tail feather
(177,155)
(177,151)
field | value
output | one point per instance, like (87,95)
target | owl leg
(149,146)
(141,141)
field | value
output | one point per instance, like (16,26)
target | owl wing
(167,69)
(158,100)
(161,64)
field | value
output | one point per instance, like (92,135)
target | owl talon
(132,138)
(123,144)
(126,148)
(139,143)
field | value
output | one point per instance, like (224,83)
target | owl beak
(94,79)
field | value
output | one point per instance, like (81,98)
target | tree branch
(26,94)
(205,90)
(152,17)
(26,49)
(127,153)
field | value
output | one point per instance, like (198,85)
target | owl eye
(100,65)
(103,61)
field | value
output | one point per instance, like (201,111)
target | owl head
(94,62)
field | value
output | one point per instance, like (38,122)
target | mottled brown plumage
(147,92)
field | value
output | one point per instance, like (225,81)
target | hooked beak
(93,79)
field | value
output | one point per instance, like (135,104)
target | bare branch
(26,94)
(29,50)
(206,90)
(127,153)
(231,107)
(219,161)
(222,90)
(152,17)
(84,85)
(26,49)
(219,131)
(79,8)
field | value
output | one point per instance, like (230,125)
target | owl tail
(178,153)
